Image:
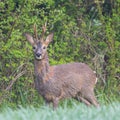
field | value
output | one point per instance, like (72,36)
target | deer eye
(34,47)
(44,47)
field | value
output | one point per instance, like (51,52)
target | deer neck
(41,68)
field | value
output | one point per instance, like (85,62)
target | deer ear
(30,39)
(49,38)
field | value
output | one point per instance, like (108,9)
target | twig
(14,80)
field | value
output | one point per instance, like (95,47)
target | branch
(14,80)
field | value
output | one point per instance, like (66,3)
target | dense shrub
(82,32)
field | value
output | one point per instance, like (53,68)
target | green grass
(75,112)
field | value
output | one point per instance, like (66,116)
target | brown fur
(72,80)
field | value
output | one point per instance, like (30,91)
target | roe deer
(72,80)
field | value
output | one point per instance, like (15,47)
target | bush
(78,36)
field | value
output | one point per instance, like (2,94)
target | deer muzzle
(38,56)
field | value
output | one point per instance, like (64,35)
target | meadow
(77,111)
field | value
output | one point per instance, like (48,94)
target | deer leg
(47,103)
(79,98)
(92,99)
(55,103)
(56,100)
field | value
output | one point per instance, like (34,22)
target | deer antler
(43,30)
(35,31)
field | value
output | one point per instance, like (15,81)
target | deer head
(39,44)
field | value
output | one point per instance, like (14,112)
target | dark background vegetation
(84,30)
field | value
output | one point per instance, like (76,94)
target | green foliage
(82,36)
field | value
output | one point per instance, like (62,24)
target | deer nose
(38,54)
